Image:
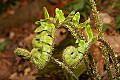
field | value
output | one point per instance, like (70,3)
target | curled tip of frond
(23,52)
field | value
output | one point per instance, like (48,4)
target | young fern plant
(72,56)
(44,41)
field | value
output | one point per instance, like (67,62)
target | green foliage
(82,6)
(76,19)
(116,7)
(73,56)
(117,19)
(23,52)
(105,27)
(46,14)
(39,58)
(42,42)
(91,41)
(81,45)
(2,46)
(117,4)
(59,15)
(88,29)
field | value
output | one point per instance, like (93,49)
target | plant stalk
(106,57)
(65,67)
(95,15)
(112,54)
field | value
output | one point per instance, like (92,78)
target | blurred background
(17,18)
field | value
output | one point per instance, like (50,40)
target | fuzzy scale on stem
(95,15)
(112,55)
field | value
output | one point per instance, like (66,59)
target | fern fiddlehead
(71,55)
(43,43)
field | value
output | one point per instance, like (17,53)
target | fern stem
(112,54)
(88,68)
(93,65)
(75,33)
(95,15)
(65,67)
(115,63)
(107,61)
